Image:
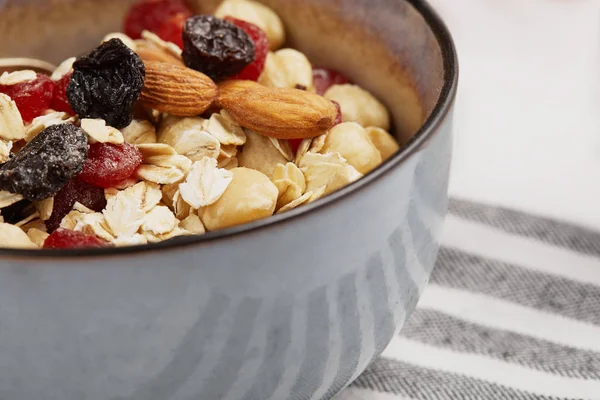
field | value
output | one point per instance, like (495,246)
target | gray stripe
(519,285)
(187,356)
(441,330)
(234,353)
(380,306)
(545,229)
(279,338)
(410,290)
(423,384)
(347,304)
(423,240)
(313,366)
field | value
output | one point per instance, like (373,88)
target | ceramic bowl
(292,307)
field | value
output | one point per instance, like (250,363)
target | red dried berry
(150,15)
(338,117)
(75,191)
(261,49)
(108,164)
(66,239)
(59,101)
(171,29)
(324,78)
(32,98)
(295,144)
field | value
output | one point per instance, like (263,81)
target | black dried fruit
(40,169)
(107,83)
(216,47)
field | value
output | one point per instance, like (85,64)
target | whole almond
(277,112)
(148,52)
(177,90)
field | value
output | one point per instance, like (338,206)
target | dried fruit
(359,106)
(59,101)
(177,90)
(324,78)
(150,14)
(250,196)
(108,164)
(258,14)
(216,47)
(31,97)
(76,191)
(66,239)
(261,49)
(106,83)
(276,112)
(46,163)
(172,28)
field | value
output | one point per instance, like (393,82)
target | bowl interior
(385,46)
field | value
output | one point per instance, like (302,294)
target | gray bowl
(292,307)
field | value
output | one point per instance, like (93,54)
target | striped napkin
(512,312)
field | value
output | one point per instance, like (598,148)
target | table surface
(527,118)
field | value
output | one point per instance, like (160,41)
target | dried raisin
(75,191)
(106,83)
(216,47)
(41,168)
(108,164)
(66,239)
(261,49)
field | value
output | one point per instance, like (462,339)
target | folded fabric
(512,311)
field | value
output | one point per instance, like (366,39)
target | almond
(279,113)
(177,90)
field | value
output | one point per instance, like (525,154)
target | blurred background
(527,120)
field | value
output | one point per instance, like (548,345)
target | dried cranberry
(107,83)
(59,101)
(41,168)
(172,29)
(261,49)
(108,164)
(75,191)
(338,117)
(66,239)
(295,144)
(32,97)
(324,78)
(216,47)
(150,14)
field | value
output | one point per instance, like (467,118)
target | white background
(527,119)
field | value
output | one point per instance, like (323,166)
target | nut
(205,183)
(259,15)
(276,112)
(13,236)
(99,132)
(287,68)
(11,123)
(352,141)
(249,197)
(260,154)
(188,137)
(177,90)
(359,106)
(383,141)
(12,78)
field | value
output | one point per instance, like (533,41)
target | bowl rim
(424,134)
